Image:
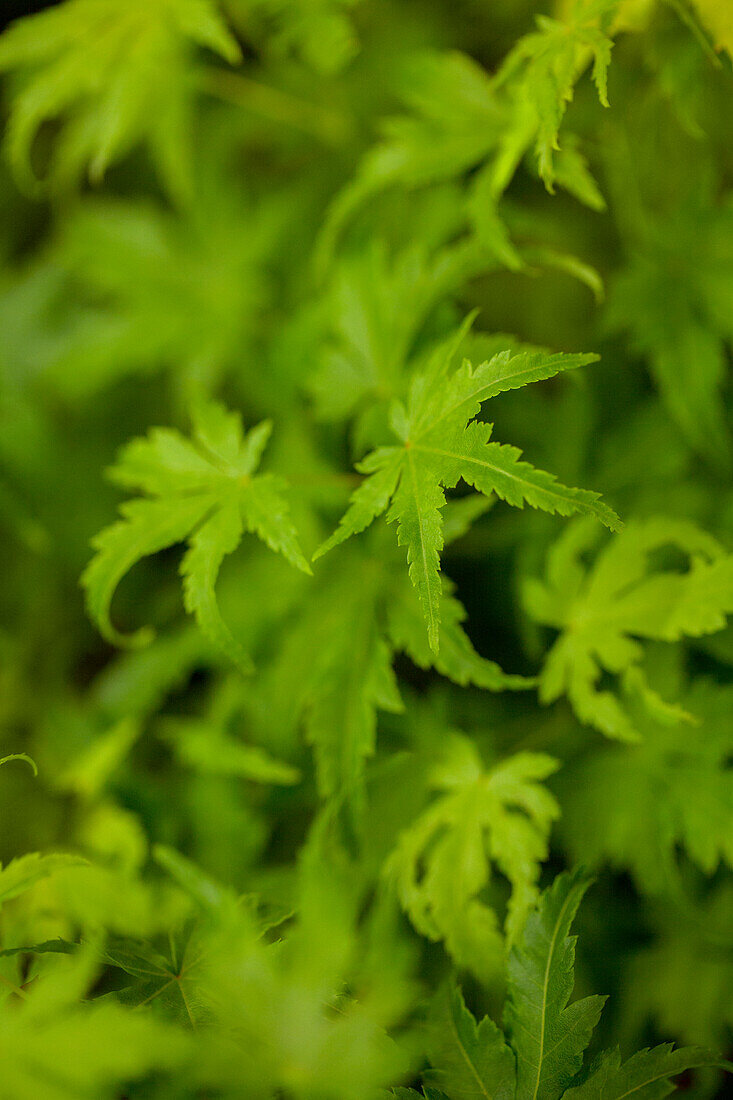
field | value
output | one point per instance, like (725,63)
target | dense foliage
(400,329)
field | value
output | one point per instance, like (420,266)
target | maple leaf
(544,66)
(204,745)
(471,1059)
(540,1054)
(171,979)
(633,804)
(320,34)
(455,121)
(121,72)
(56,1045)
(155,288)
(677,980)
(22,873)
(548,1035)
(670,297)
(440,443)
(377,306)
(646,1074)
(604,612)
(442,861)
(203,491)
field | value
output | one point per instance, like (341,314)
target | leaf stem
(276,105)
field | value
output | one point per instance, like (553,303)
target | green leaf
(211,751)
(146,527)
(457,659)
(321,36)
(443,861)
(547,1034)
(103,66)
(56,1045)
(370,500)
(377,307)
(469,1060)
(470,386)
(341,717)
(204,890)
(206,497)
(606,611)
(455,122)
(89,772)
(631,805)
(496,467)
(170,979)
(544,66)
(22,873)
(645,1076)
(442,443)
(672,316)
(217,537)
(137,288)
(416,509)
(266,513)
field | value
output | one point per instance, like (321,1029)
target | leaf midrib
(432,627)
(488,387)
(492,466)
(468,1060)
(545,984)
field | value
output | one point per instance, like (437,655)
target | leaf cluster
(402,334)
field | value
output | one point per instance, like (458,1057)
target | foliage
(286,269)
(104,66)
(541,1052)
(441,863)
(442,443)
(601,615)
(207,493)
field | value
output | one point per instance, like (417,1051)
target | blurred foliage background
(286,205)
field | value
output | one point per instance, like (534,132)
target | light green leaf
(497,468)
(605,612)
(470,386)
(146,527)
(56,1045)
(442,443)
(544,66)
(457,659)
(94,68)
(218,536)
(630,805)
(22,873)
(442,861)
(207,498)
(416,508)
(370,499)
(210,751)
(266,513)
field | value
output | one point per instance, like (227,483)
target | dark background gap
(13,9)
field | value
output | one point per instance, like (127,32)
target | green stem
(275,105)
